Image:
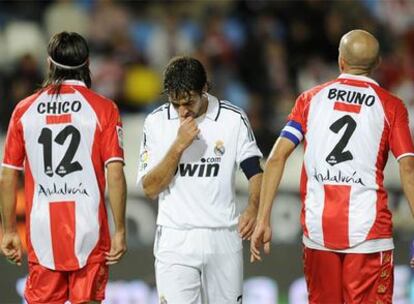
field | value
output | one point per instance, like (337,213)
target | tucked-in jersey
(348,126)
(202,192)
(63,143)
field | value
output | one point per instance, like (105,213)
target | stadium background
(259,55)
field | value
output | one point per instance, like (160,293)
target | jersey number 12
(66,166)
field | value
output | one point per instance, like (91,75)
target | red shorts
(56,287)
(349,277)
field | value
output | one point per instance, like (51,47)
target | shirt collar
(213,109)
(74,82)
(358,77)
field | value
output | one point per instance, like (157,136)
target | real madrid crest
(219,148)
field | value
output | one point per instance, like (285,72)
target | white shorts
(199,266)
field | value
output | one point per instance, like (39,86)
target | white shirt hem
(12,167)
(369,246)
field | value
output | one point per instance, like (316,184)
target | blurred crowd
(259,54)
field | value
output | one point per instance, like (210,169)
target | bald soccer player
(348,125)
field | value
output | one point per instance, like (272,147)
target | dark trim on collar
(212,112)
(218,111)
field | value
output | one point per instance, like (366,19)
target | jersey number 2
(338,155)
(66,166)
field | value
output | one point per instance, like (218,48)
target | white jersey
(202,192)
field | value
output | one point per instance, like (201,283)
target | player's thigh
(87,285)
(222,278)
(323,274)
(177,283)
(368,278)
(45,286)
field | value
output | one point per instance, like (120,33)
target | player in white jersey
(191,149)
(348,126)
(64,137)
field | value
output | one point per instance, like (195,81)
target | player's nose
(182,111)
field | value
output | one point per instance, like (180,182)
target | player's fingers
(112,253)
(247,229)
(116,253)
(252,258)
(254,248)
(242,222)
(17,260)
(187,120)
(255,257)
(9,252)
(242,226)
(115,259)
(267,247)
(18,257)
(13,256)
(249,234)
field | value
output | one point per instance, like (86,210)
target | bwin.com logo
(209,167)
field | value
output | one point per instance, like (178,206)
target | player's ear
(205,89)
(341,63)
(377,62)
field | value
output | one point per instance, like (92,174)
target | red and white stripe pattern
(67,223)
(344,200)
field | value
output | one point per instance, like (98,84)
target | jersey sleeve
(294,128)
(112,138)
(149,155)
(246,143)
(400,139)
(14,149)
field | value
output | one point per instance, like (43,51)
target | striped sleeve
(293,131)
(295,128)
(14,148)
(401,143)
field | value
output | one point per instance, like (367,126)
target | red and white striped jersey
(63,143)
(348,125)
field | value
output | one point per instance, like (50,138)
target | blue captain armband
(293,132)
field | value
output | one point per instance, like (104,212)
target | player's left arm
(117,199)
(407,181)
(248,158)
(402,147)
(11,244)
(247,221)
(113,156)
(406,165)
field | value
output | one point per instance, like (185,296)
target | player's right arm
(160,176)
(14,156)
(272,175)
(11,244)
(291,135)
